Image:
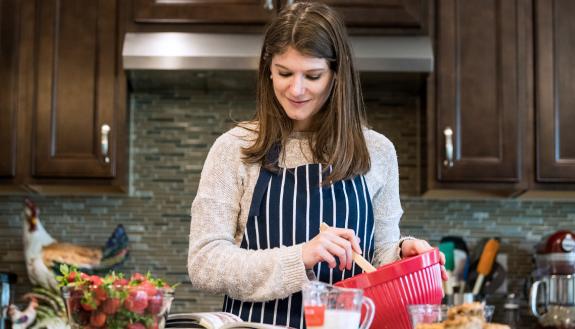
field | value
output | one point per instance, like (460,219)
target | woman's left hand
(414,247)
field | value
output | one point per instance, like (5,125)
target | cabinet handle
(448,162)
(269,5)
(104,132)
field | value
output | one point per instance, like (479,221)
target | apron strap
(265,175)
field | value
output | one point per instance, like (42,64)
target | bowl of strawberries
(115,301)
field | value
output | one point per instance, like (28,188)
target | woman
(307,157)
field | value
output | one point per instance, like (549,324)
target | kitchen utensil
(460,260)
(412,280)
(447,248)
(330,307)
(357,258)
(492,281)
(485,263)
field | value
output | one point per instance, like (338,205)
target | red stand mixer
(552,295)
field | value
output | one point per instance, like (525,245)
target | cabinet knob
(448,133)
(104,132)
(269,5)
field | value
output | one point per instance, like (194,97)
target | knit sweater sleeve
(216,263)
(386,203)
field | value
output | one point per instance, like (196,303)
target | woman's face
(302,84)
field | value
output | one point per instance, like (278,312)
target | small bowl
(432,313)
(131,307)
(427,313)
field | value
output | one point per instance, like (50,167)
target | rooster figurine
(23,319)
(44,254)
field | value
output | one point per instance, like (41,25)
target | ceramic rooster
(23,319)
(44,254)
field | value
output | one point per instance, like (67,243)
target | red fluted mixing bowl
(413,280)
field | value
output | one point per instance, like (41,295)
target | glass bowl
(427,313)
(117,307)
(431,313)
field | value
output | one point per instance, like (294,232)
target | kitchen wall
(174,120)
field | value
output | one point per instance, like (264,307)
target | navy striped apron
(287,208)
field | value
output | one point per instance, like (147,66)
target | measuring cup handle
(533,298)
(369,312)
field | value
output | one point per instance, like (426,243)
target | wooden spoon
(357,258)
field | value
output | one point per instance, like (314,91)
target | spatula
(357,258)
(485,263)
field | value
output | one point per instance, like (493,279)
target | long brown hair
(316,30)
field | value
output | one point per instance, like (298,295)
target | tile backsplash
(172,127)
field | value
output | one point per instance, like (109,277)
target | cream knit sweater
(217,264)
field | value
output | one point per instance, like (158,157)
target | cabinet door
(477,91)
(8,91)
(75,88)
(403,15)
(204,11)
(555,101)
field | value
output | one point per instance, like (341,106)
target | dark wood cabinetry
(401,16)
(204,11)
(391,16)
(76,99)
(71,86)
(479,91)
(555,99)
(503,85)
(8,87)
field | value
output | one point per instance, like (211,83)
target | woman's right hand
(329,244)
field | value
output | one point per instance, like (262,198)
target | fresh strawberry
(155,303)
(100,293)
(137,301)
(98,319)
(136,325)
(72,277)
(138,277)
(89,306)
(96,280)
(111,306)
(149,288)
(120,282)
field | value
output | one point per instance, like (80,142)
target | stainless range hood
(211,51)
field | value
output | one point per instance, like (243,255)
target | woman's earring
(271,76)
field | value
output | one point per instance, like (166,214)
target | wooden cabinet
(72,86)
(8,87)
(503,85)
(399,16)
(75,89)
(367,16)
(555,97)
(479,90)
(204,11)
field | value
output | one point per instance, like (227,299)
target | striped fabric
(287,209)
